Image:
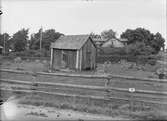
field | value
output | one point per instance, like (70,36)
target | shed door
(88,60)
(71,59)
(68,59)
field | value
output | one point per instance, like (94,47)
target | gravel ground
(12,111)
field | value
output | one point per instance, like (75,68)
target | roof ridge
(70,42)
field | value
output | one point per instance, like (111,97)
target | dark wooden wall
(88,55)
(64,59)
(56,58)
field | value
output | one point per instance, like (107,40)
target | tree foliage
(148,39)
(157,42)
(94,36)
(19,40)
(108,34)
(138,48)
(4,38)
(48,37)
(4,41)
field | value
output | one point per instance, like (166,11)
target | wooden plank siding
(71,62)
(64,59)
(56,59)
(88,55)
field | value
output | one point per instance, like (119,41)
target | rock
(17,60)
(37,61)
(161,71)
(44,61)
(28,60)
(123,62)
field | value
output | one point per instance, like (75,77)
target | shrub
(111,51)
(140,59)
(31,53)
(138,49)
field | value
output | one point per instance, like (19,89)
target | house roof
(70,42)
(98,40)
(1,46)
(123,40)
(120,39)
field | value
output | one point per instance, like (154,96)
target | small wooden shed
(77,52)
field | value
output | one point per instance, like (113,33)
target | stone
(37,61)
(44,61)
(17,60)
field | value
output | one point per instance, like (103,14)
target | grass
(114,108)
(113,68)
(110,107)
(37,114)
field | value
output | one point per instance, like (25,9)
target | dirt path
(11,111)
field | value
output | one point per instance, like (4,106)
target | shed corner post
(77,60)
(51,60)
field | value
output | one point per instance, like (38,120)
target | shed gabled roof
(70,42)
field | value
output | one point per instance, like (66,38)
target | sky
(83,17)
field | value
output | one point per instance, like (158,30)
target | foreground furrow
(88,91)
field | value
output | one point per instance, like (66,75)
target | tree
(138,48)
(157,42)
(48,37)
(35,40)
(4,41)
(4,36)
(137,35)
(141,35)
(108,34)
(19,40)
(94,36)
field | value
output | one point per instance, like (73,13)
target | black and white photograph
(83,60)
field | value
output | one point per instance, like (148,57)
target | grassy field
(123,68)
(114,109)
(111,107)
(119,69)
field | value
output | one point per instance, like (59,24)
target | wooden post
(107,82)
(77,60)
(142,106)
(106,86)
(51,60)
(80,66)
(131,90)
(4,44)
(34,84)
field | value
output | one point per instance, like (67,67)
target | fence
(107,88)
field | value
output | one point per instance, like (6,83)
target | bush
(138,49)
(132,49)
(31,53)
(111,51)
(140,59)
